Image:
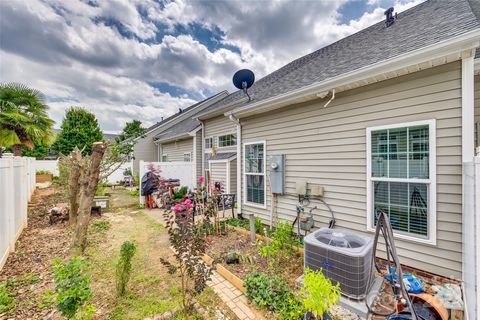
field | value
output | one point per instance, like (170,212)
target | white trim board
(432,181)
(264,174)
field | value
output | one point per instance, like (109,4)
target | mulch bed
(28,269)
(218,248)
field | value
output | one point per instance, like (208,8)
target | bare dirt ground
(151,290)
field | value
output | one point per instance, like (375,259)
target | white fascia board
(461,43)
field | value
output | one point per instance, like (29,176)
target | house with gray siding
(383,119)
(182,142)
(220,146)
(146,147)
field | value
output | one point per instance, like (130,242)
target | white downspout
(239,165)
(331,99)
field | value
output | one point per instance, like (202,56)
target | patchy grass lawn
(151,290)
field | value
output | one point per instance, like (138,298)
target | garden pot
(310,316)
(40,178)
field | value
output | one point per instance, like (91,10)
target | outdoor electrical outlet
(316,190)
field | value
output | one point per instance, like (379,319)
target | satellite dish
(244,79)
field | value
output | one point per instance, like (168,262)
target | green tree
(132,129)
(23,118)
(79,129)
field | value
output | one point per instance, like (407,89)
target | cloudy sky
(144,59)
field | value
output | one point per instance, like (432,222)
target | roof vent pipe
(389,18)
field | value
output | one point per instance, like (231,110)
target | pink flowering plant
(189,249)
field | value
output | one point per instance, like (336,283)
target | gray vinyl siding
(218,173)
(176,149)
(220,126)
(233,176)
(144,150)
(327,146)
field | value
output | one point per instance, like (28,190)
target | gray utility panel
(277,173)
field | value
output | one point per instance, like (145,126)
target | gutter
(466,41)
(239,165)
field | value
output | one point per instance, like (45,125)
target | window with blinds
(254,176)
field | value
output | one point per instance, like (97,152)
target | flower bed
(220,247)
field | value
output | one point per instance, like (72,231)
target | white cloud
(67,50)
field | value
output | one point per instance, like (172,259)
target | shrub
(135,193)
(280,242)
(318,293)
(40,172)
(124,266)
(181,193)
(100,189)
(270,292)
(7,302)
(72,280)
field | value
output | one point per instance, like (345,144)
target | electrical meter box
(277,173)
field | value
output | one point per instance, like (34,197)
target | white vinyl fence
(52,166)
(184,171)
(17,183)
(48,165)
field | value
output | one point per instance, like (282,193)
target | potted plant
(318,294)
(43,176)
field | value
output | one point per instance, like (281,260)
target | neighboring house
(382,119)
(220,160)
(182,142)
(146,149)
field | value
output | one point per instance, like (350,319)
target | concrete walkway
(233,297)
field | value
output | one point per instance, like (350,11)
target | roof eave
(464,44)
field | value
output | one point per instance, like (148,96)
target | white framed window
(208,143)
(401,178)
(164,157)
(254,161)
(227,140)
(187,157)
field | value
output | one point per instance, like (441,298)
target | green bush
(124,266)
(270,292)
(318,293)
(72,286)
(281,240)
(181,193)
(40,172)
(100,189)
(7,302)
(135,193)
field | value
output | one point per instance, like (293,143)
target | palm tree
(23,118)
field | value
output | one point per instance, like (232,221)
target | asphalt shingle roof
(425,24)
(186,125)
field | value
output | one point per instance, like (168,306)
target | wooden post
(252,227)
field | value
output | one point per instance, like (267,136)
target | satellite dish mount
(243,80)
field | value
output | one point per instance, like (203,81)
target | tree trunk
(74,185)
(17,150)
(89,182)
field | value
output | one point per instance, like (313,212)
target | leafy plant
(7,302)
(318,293)
(180,194)
(124,266)
(72,280)
(140,206)
(279,244)
(47,299)
(135,193)
(189,248)
(24,119)
(41,172)
(100,189)
(102,225)
(270,292)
